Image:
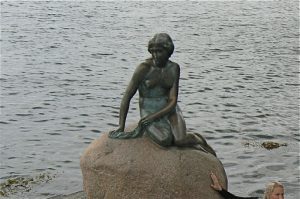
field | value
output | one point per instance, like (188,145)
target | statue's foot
(204,145)
(199,147)
(206,149)
(210,150)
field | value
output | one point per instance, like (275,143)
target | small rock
(272,145)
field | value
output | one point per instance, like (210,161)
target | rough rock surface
(141,169)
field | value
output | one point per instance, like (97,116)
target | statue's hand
(145,122)
(116,132)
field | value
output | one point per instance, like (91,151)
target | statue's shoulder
(148,62)
(145,64)
(174,65)
(142,68)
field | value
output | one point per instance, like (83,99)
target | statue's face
(160,56)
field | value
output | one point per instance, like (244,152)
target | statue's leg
(178,127)
(205,144)
(182,138)
(160,133)
(198,142)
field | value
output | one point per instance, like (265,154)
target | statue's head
(161,40)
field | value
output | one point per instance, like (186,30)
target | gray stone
(140,169)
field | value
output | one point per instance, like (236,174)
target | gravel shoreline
(77,195)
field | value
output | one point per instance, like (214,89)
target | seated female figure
(157,81)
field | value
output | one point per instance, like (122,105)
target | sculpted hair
(162,40)
(270,188)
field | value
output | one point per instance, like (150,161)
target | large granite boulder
(141,169)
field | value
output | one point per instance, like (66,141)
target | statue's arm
(131,89)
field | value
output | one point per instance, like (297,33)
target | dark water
(65,64)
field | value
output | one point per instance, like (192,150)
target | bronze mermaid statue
(157,82)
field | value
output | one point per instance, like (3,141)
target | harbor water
(66,64)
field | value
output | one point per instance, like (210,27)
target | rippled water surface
(65,64)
